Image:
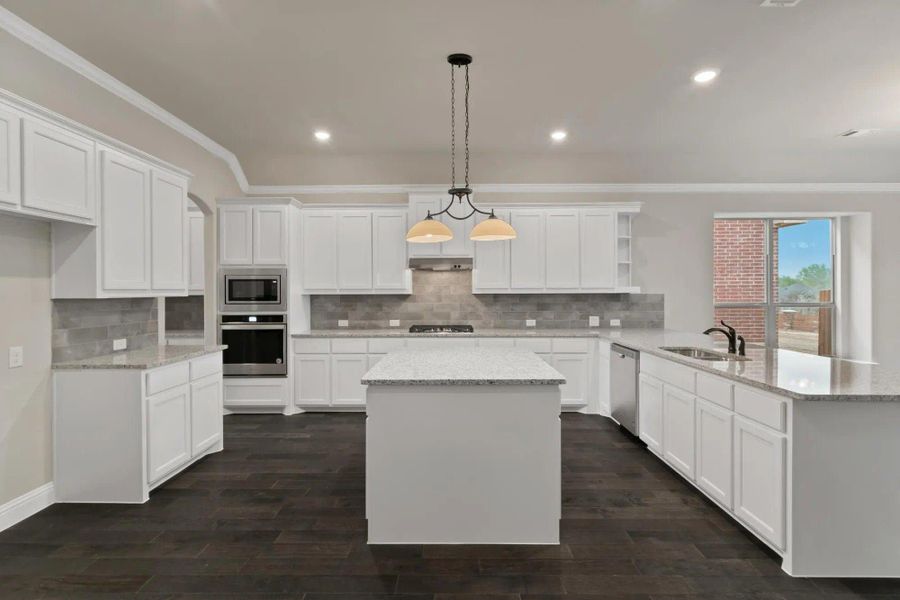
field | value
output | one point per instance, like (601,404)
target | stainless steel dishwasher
(624,364)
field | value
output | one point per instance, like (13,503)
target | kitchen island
(463,447)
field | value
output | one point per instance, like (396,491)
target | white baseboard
(29,503)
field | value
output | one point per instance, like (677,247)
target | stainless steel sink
(701,353)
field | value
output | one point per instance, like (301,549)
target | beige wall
(25,437)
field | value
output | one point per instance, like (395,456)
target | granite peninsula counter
(463,447)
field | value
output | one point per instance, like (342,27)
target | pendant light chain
(467,125)
(452,128)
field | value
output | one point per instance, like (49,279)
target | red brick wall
(739,274)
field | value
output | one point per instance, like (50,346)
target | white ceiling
(259,76)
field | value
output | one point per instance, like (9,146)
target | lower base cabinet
(168,431)
(576,369)
(650,407)
(759,475)
(206,413)
(714,448)
(678,429)
(347,371)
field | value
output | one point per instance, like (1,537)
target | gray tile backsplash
(184,313)
(85,328)
(444,297)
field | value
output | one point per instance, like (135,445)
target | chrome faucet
(733,338)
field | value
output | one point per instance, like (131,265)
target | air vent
(856,132)
(780,3)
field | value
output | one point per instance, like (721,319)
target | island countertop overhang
(463,366)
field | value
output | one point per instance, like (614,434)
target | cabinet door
(347,371)
(598,248)
(168,233)
(125,223)
(678,429)
(527,259)
(320,251)
(59,172)
(562,238)
(714,451)
(236,235)
(491,265)
(313,379)
(270,235)
(389,264)
(650,394)
(419,206)
(576,369)
(354,244)
(10,151)
(206,413)
(759,473)
(460,245)
(196,282)
(168,431)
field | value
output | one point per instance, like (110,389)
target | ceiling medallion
(432,231)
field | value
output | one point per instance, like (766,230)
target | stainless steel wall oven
(257,345)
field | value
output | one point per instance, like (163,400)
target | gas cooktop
(441,329)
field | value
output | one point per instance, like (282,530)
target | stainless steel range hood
(440,264)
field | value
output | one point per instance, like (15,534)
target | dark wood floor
(279,514)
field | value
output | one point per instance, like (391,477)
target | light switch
(530,323)
(120,344)
(593,321)
(615,322)
(343,323)
(16,357)
(395,322)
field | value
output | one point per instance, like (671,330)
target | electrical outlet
(593,321)
(343,323)
(395,323)
(530,323)
(120,344)
(615,322)
(16,357)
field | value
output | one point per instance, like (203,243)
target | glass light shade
(492,229)
(429,231)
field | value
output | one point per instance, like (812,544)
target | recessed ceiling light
(559,135)
(322,135)
(705,76)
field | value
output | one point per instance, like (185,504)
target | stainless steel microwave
(253,290)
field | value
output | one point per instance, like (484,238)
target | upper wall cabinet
(564,249)
(125,206)
(460,246)
(354,251)
(253,235)
(169,233)
(196,253)
(10,157)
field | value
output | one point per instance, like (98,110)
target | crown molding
(40,41)
(587,188)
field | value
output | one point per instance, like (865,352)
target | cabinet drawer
(496,343)
(433,343)
(716,390)
(535,345)
(669,372)
(312,346)
(255,392)
(759,406)
(206,365)
(167,377)
(349,346)
(571,345)
(385,345)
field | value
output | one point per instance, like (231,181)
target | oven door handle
(232,326)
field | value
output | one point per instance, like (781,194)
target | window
(773,280)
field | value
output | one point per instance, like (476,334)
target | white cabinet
(125,222)
(563,249)
(253,235)
(196,269)
(491,268)
(206,413)
(678,429)
(714,451)
(650,410)
(389,250)
(58,171)
(598,247)
(270,235)
(10,157)
(354,249)
(235,235)
(526,262)
(759,475)
(168,431)
(576,369)
(460,246)
(319,241)
(347,371)
(312,386)
(168,233)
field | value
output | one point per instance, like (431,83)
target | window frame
(770,306)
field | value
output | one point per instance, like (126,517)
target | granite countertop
(479,333)
(142,358)
(185,333)
(472,366)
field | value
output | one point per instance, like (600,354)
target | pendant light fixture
(430,230)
